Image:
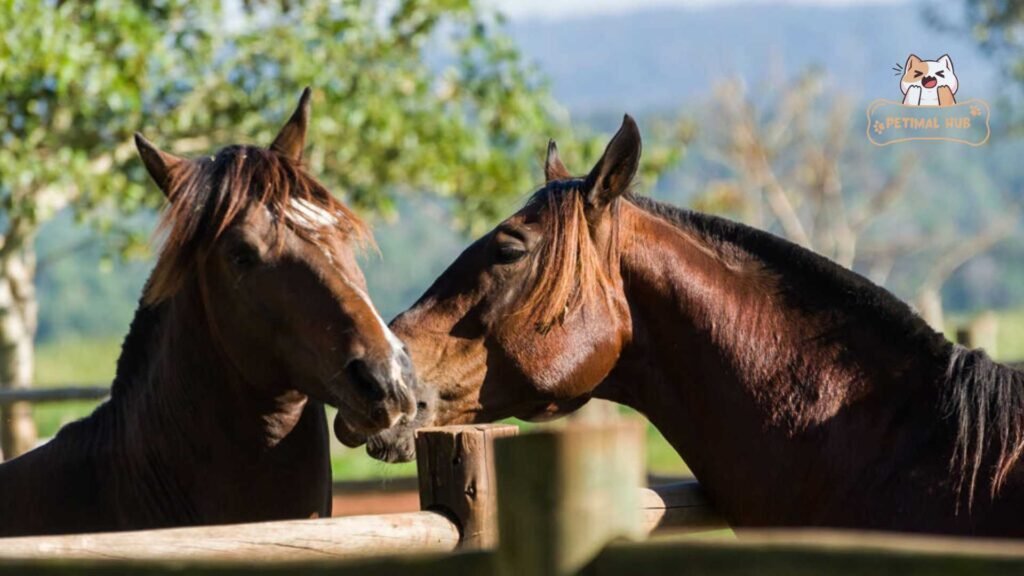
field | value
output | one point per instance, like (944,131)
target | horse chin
(346,434)
(392,446)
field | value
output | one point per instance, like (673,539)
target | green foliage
(78,78)
(419,96)
(997,26)
(429,96)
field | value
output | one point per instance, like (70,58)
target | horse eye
(244,257)
(509,253)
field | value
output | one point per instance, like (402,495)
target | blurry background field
(731,97)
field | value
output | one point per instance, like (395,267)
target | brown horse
(255,315)
(799,393)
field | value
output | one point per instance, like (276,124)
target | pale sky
(554,9)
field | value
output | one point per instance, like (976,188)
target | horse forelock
(207,196)
(569,264)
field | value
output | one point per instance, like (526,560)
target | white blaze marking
(308,215)
(397,348)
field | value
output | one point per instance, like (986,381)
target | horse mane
(572,266)
(89,433)
(836,289)
(207,195)
(135,348)
(985,399)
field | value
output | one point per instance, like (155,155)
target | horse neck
(756,393)
(203,437)
(183,440)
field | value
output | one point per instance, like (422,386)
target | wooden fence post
(563,494)
(456,475)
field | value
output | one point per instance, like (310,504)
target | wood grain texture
(678,506)
(267,541)
(564,494)
(456,476)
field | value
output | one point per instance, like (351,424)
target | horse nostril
(362,378)
(379,414)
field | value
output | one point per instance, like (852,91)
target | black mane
(816,283)
(89,432)
(135,349)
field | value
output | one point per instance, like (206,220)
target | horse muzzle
(376,396)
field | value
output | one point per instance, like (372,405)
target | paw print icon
(975,111)
(879,127)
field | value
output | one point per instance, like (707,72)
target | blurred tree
(787,167)
(996,25)
(76,80)
(409,96)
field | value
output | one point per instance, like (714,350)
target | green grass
(88,362)
(1009,333)
(72,361)
(1010,338)
(92,362)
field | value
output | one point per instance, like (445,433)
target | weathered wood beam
(681,506)
(456,476)
(565,493)
(40,395)
(413,532)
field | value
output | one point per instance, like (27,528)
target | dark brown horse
(799,393)
(255,315)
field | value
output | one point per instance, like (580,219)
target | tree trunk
(929,306)
(18,320)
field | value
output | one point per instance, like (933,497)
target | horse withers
(255,315)
(798,392)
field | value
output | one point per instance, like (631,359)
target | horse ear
(158,163)
(291,141)
(614,172)
(553,167)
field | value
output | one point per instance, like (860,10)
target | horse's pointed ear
(614,172)
(291,141)
(553,167)
(158,163)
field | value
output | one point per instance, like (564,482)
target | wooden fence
(9,396)
(554,501)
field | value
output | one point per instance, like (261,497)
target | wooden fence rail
(353,536)
(567,505)
(41,395)
(457,495)
(678,506)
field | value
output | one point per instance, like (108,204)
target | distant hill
(660,59)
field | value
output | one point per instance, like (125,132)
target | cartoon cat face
(928,74)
